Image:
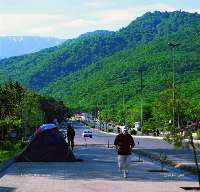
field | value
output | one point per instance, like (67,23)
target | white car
(87,133)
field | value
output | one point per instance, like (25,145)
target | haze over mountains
(96,68)
(20,45)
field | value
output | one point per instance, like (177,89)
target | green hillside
(101,85)
(39,69)
(107,77)
(98,71)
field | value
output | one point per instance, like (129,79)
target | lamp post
(124,78)
(123,104)
(173,46)
(141,70)
(25,113)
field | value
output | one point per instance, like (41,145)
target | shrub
(20,145)
(133,132)
(110,130)
(6,145)
(198,133)
(12,145)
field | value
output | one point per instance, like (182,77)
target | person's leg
(72,144)
(121,162)
(127,161)
(69,142)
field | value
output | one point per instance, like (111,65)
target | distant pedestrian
(124,144)
(70,136)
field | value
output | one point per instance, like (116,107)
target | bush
(133,132)
(110,130)
(198,133)
(20,145)
(6,145)
(12,145)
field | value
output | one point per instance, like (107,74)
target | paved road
(104,138)
(98,172)
(98,137)
(151,145)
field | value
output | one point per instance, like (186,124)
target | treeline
(22,110)
(157,115)
(99,72)
(111,86)
(35,69)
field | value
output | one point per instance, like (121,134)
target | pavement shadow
(98,163)
(180,155)
(7,189)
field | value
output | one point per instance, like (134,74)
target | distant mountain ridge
(86,70)
(20,45)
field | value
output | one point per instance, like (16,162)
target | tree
(186,114)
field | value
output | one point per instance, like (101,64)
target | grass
(5,155)
(10,150)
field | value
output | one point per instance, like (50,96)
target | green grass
(8,153)
(5,155)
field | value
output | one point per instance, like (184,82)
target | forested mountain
(20,45)
(105,80)
(97,70)
(35,69)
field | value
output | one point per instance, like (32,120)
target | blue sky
(70,18)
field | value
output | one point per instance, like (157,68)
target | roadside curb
(143,136)
(170,162)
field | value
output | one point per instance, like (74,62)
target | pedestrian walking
(70,136)
(124,143)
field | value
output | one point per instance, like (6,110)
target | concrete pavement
(98,172)
(153,147)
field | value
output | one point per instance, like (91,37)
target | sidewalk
(179,158)
(98,172)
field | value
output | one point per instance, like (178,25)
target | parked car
(87,133)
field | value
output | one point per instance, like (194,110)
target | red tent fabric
(47,146)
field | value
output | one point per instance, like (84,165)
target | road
(98,137)
(104,138)
(182,156)
(96,173)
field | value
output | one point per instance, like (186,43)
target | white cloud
(19,23)
(98,3)
(76,23)
(44,25)
(37,24)
(68,26)
(130,13)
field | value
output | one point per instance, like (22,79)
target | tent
(48,145)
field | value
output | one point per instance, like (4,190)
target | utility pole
(173,46)
(141,70)
(124,81)
(25,113)
(113,122)
(123,104)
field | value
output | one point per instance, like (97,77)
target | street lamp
(141,70)
(124,81)
(123,103)
(173,46)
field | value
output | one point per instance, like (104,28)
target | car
(87,133)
